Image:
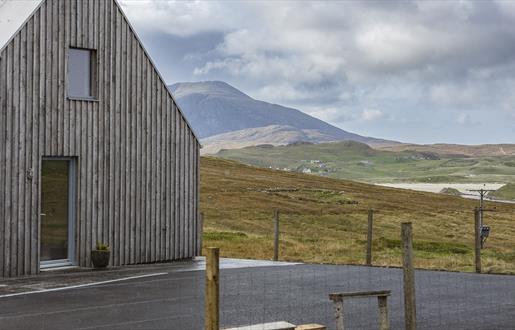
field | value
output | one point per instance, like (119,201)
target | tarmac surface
(170,296)
(65,277)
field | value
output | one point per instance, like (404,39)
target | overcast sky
(424,72)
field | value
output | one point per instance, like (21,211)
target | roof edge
(157,71)
(22,26)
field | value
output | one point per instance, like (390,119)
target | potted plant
(100,256)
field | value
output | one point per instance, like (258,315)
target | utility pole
(482,193)
(480,215)
(477,241)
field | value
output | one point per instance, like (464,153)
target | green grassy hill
(485,150)
(357,161)
(450,191)
(324,220)
(507,192)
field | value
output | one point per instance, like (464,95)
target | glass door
(57,212)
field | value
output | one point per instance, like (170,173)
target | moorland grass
(324,220)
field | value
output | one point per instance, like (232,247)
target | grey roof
(13,13)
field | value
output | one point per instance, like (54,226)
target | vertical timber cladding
(137,157)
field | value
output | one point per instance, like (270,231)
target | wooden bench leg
(338,314)
(384,322)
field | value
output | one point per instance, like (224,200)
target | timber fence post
(276,235)
(339,314)
(212,304)
(369,237)
(384,322)
(200,232)
(410,313)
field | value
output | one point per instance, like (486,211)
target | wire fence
(441,244)
(448,294)
(300,293)
(444,299)
(330,226)
(249,296)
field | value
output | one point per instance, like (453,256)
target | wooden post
(200,233)
(410,313)
(276,235)
(338,314)
(212,289)
(369,237)
(477,240)
(384,323)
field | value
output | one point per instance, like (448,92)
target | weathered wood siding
(137,158)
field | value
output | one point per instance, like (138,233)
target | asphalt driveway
(170,296)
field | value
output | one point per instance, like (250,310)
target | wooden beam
(360,294)
(310,327)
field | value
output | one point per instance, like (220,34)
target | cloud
(332,114)
(371,115)
(412,60)
(466,119)
(181,18)
(393,45)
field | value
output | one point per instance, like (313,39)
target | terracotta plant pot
(100,258)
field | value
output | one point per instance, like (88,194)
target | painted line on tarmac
(81,285)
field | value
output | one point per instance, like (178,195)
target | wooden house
(93,147)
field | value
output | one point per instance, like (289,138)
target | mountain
(215,108)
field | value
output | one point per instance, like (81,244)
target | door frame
(72,213)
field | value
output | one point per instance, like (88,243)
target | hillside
(483,150)
(505,193)
(214,108)
(357,161)
(272,135)
(324,220)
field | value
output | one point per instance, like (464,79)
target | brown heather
(324,220)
